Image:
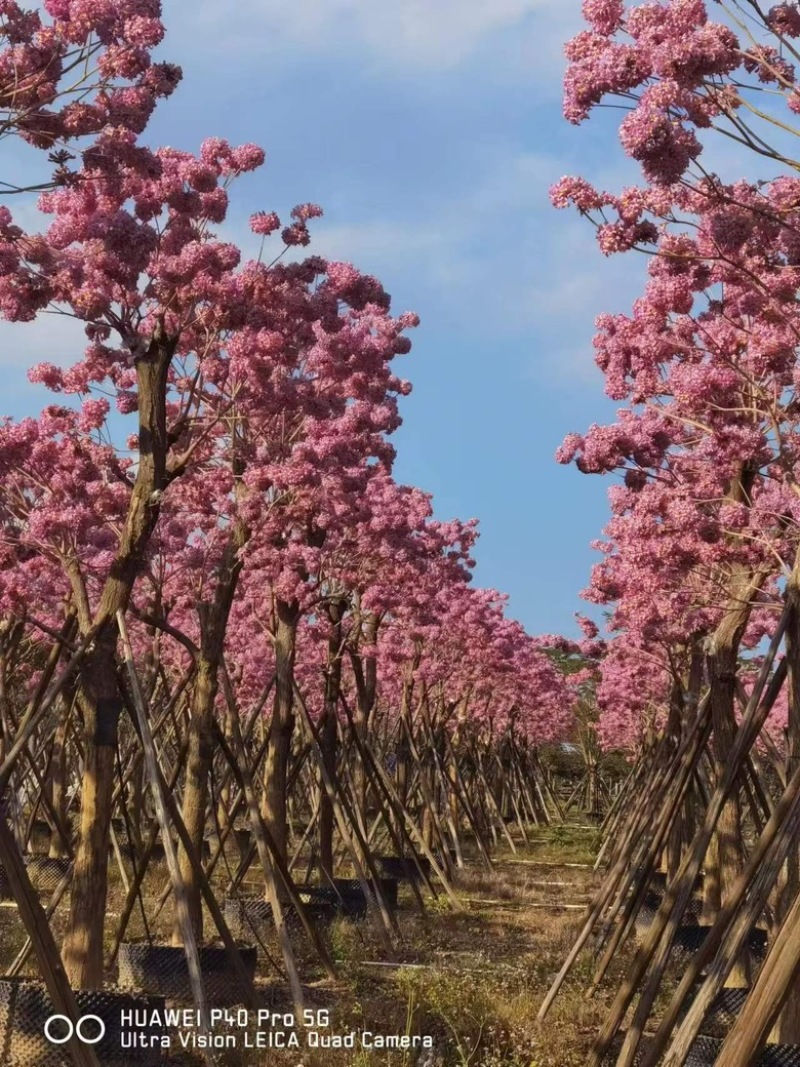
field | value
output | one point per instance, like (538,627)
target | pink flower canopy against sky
(431,159)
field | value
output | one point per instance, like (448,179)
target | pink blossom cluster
(705,364)
(278,399)
(100,47)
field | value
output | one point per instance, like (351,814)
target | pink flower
(304,212)
(577,191)
(93,414)
(604,15)
(296,234)
(264,223)
(48,375)
(784,19)
(247,157)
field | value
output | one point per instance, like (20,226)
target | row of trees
(216,481)
(701,563)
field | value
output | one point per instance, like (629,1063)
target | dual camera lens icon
(59,1029)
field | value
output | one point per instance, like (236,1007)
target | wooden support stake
(160,805)
(47,954)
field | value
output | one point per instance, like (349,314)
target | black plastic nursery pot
(320,913)
(5,885)
(688,940)
(127,851)
(252,916)
(211,844)
(658,881)
(158,855)
(120,829)
(652,902)
(722,1013)
(26,1007)
(705,1050)
(389,887)
(348,899)
(163,970)
(237,845)
(244,839)
(133,855)
(403,868)
(248,915)
(690,935)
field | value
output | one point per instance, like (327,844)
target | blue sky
(430,132)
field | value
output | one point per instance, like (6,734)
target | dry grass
(474,977)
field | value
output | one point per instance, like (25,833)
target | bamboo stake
(279,866)
(373,893)
(659,940)
(749,1033)
(160,804)
(671,809)
(735,918)
(41,704)
(612,880)
(383,798)
(38,928)
(258,827)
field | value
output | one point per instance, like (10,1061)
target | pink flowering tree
(76,67)
(129,252)
(253,501)
(461,669)
(706,363)
(710,349)
(380,553)
(334,401)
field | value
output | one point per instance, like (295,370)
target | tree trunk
(449,759)
(787,1026)
(213,617)
(281,727)
(58,773)
(366,678)
(225,792)
(428,829)
(329,735)
(101,705)
(98,696)
(195,792)
(327,743)
(725,860)
(403,752)
(721,874)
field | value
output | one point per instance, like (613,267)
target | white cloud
(415,246)
(491,259)
(473,249)
(456,244)
(435,34)
(578,285)
(500,247)
(49,338)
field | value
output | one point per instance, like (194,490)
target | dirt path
(470,981)
(463,990)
